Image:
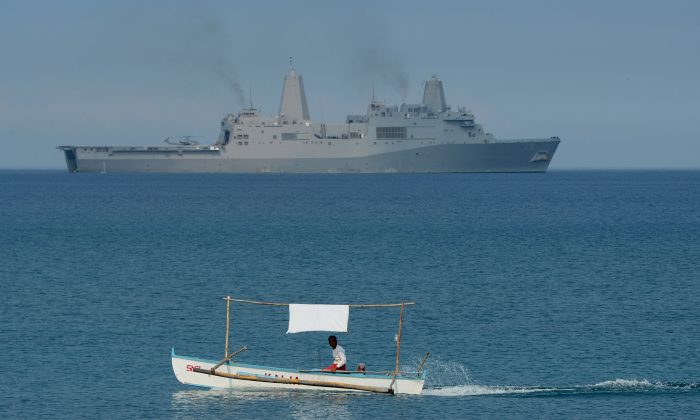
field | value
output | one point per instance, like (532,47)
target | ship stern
(71,157)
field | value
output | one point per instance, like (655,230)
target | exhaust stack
(293,107)
(434,96)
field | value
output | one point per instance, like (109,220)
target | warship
(425,137)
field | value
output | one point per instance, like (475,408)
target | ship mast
(293,106)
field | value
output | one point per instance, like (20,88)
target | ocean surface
(557,295)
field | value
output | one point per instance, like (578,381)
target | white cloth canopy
(318,318)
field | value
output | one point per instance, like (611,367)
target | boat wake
(605,387)
(445,379)
(468,390)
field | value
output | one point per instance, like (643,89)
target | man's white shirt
(339,356)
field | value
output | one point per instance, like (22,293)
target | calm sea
(566,294)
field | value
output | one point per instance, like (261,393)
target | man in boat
(339,359)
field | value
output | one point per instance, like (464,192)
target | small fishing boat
(228,373)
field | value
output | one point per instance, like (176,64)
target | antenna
(291,63)
(372,91)
(250,90)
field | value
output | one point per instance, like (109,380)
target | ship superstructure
(423,137)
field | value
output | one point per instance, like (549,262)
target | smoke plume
(384,66)
(225,71)
(212,44)
(375,57)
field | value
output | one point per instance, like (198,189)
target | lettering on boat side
(191,368)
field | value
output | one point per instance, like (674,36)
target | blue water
(566,294)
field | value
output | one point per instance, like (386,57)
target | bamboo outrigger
(227,373)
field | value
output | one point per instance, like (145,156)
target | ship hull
(497,156)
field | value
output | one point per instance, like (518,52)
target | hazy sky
(618,81)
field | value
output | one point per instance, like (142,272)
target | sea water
(565,294)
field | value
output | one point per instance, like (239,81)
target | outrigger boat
(227,373)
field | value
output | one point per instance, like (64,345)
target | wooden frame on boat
(229,374)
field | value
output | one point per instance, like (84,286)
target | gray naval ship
(424,137)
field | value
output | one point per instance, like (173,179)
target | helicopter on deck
(182,140)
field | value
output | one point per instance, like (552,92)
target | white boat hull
(188,370)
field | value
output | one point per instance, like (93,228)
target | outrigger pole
(255,378)
(398,350)
(364,305)
(228,317)
(398,339)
